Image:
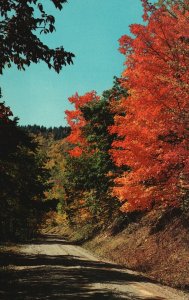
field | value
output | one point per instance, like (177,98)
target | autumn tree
(152,132)
(168,4)
(89,169)
(76,121)
(55,151)
(78,160)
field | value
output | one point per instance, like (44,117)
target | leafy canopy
(22,21)
(152,132)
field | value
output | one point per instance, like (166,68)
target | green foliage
(82,184)
(88,178)
(20,26)
(21,183)
(57,133)
(22,176)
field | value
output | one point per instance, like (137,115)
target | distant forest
(58,133)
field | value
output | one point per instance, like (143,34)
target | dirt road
(52,269)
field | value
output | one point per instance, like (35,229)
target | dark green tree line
(22,178)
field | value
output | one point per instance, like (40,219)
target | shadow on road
(53,239)
(62,277)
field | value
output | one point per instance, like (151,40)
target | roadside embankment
(154,243)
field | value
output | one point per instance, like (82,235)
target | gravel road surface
(52,268)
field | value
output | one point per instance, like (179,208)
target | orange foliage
(152,122)
(76,121)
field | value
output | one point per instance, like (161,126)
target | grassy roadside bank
(155,245)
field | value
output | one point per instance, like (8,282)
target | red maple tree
(76,121)
(152,123)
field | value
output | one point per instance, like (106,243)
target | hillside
(155,244)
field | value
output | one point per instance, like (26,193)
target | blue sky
(88,28)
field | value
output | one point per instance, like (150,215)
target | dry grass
(157,245)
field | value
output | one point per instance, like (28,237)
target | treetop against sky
(90,29)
